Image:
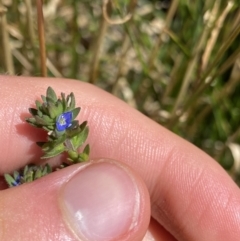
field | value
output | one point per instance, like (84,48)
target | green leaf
(29,175)
(83,125)
(33,111)
(74,126)
(50,100)
(25,170)
(79,139)
(71,132)
(73,155)
(64,104)
(59,106)
(50,127)
(9,179)
(46,169)
(83,157)
(54,152)
(39,113)
(48,119)
(51,94)
(44,98)
(38,104)
(31,121)
(40,143)
(70,102)
(50,145)
(53,110)
(87,149)
(44,108)
(46,128)
(15,175)
(37,173)
(40,121)
(75,112)
(59,140)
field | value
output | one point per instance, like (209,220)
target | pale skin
(191,196)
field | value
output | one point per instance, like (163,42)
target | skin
(191,196)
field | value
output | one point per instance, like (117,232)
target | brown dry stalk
(53,69)
(8,61)
(41,38)
(22,59)
(189,73)
(121,62)
(93,70)
(124,49)
(173,78)
(158,43)
(215,32)
(29,16)
(115,21)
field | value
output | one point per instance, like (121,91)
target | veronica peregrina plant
(64,134)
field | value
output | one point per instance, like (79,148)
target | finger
(101,200)
(192,196)
(157,233)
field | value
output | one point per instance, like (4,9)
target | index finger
(191,195)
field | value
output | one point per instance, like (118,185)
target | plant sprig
(64,134)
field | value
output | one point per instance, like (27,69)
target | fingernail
(101,202)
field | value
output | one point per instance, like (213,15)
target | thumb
(101,200)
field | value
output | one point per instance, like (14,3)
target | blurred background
(178,62)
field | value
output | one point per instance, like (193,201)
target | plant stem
(8,61)
(93,70)
(167,24)
(41,38)
(124,50)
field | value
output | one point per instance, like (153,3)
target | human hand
(158,174)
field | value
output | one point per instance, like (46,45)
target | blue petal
(64,121)
(17,181)
(15,184)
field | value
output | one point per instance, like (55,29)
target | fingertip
(108,197)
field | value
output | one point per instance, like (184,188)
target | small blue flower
(17,181)
(64,121)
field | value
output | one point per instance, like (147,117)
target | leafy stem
(57,117)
